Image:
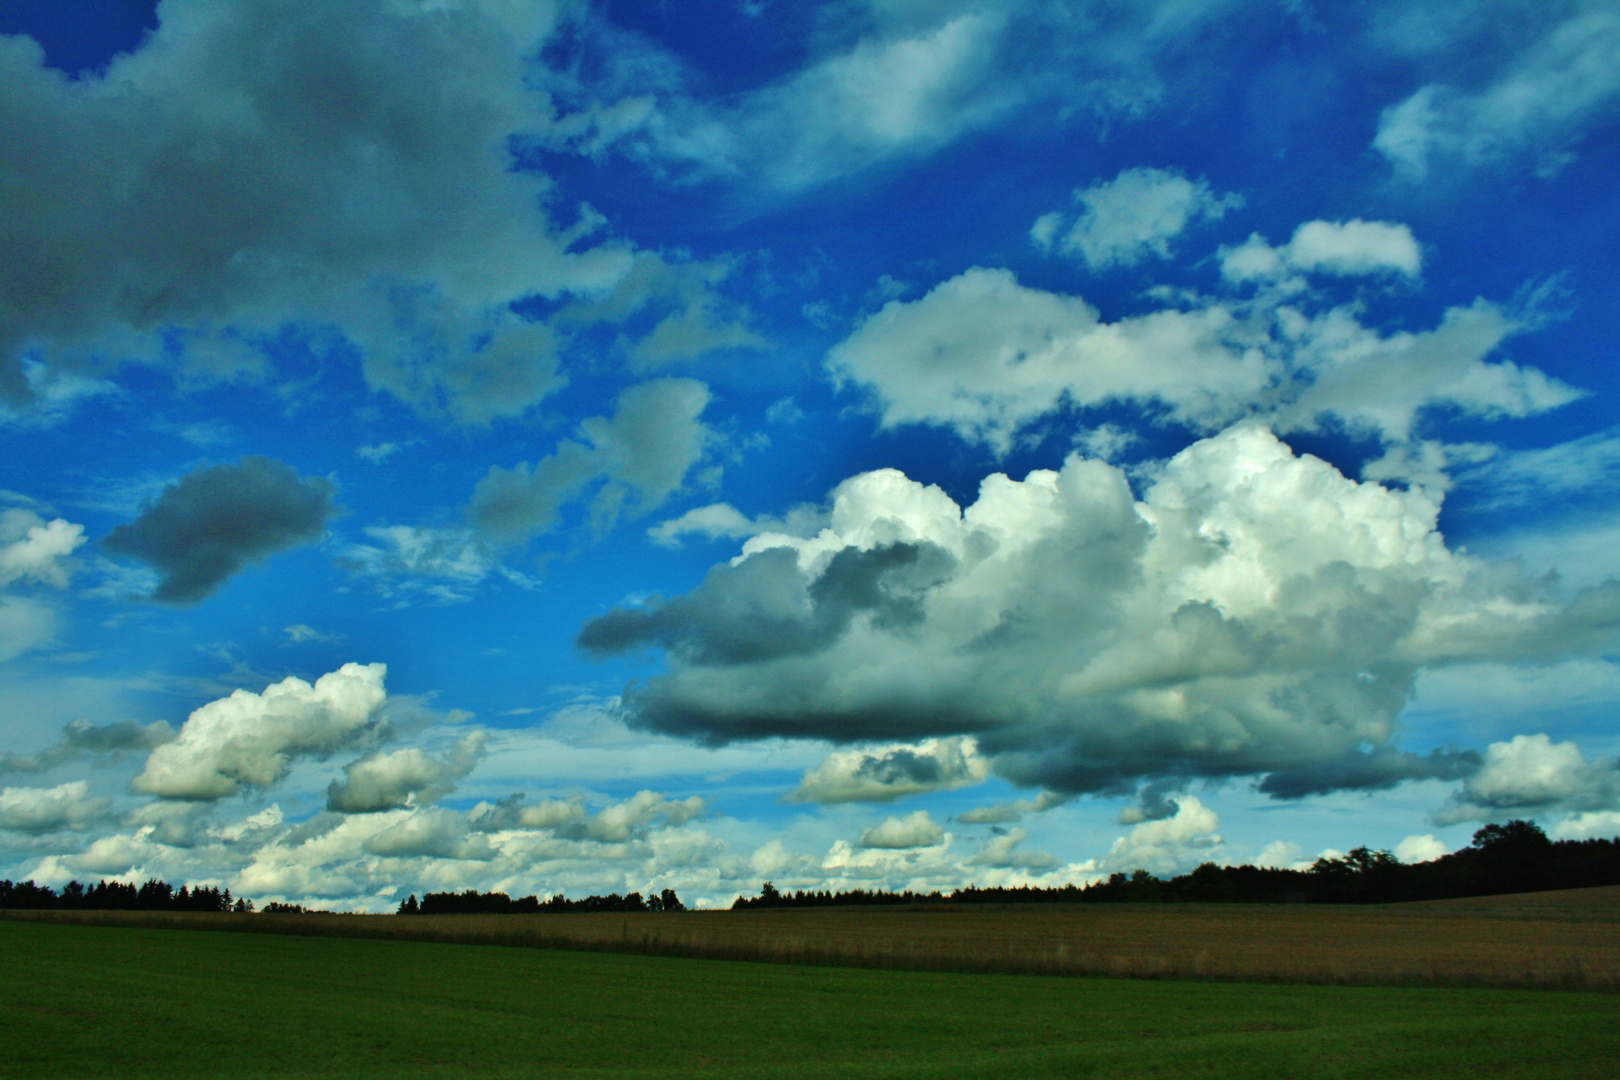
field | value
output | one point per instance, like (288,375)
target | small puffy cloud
(81,739)
(1004,813)
(1592,825)
(32,548)
(250,739)
(1131,217)
(1002,852)
(1420,849)
(912,831)
(716,521)
(1167,845)
(213,522)
(377,453)
(36,811)
(1281,854)
(641,456)
(886,773)
(1339,248)
(408,777)
(1254,613)
(1543,103)
(1530,773)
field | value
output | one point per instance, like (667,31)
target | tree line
(117,896)
(1508,858)
(473,902)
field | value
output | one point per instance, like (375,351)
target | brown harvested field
(1569,939)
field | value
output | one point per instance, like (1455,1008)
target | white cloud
(26,625)
(1005,813)
(1596,824)
(44,810)
(571,818)
(712,522)
(893,771)
(1420,849)
(388,780)
(1532,773)
(33,548)
(1339,248)
(1132,217)
(1255,613)
(1552,94)
(987,357)
(408,562)
(1168,845)
(914,830)
(251,739)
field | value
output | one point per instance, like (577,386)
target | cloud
(641,455)
(1339,248)
(82,739)
(1370,770)
(1255,613)
(571,819)
(1548,97)
(1131,218)
(431,832)
(25,625)
(1002,852)
(886,773)
(987,357)
(1420,849)
(36,811)
(32,548)
(912,831)
(716,521)
(408,777)
(1589,826)
(1167,845)
(1005,813)
(211,523)
(250,739)
(1532,773)
(408,562)
(288,166)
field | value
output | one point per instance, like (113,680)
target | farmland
(138,1002)
(1567,939)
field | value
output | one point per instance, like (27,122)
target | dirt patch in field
(1553,940)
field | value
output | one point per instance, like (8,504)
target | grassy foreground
(106,1001)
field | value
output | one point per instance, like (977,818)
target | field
(86,1001)
(1569,940)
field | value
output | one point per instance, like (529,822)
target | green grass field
(85,1001)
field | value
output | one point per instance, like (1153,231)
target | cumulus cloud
(431,832)
(32,548)
(36,811)
(81,739)
(1131,218)
(1339,248)
(912,831)
(886,773)
(407,777)
(1549,96)
(213,522)
(1003,813)
(641,455)
(1167,845)
(1420,849)
(1255,613)
(251,740)
(254,194)
(1532,773)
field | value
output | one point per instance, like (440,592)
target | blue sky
(553,446)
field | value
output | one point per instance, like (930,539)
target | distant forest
(1509,858)
(117,896)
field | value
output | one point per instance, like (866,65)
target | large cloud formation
(1255,613)
(213,522)
(251,739)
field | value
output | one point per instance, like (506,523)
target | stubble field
(1565,939)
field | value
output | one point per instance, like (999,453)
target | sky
(560,446)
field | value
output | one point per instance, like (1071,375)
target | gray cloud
(37,811)
(912,831)
(213,522)
(1255,613)
(82,739)
(639,456)
(886,773)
